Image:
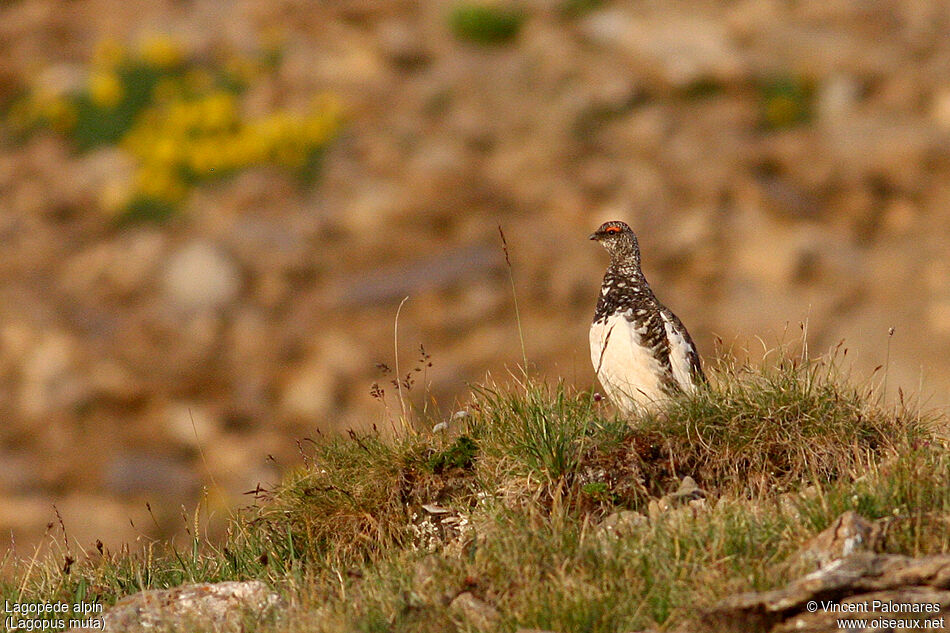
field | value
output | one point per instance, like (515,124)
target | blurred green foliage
(577,8)
(461,454)
(786,101)
(486,23)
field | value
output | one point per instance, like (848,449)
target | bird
(641,352)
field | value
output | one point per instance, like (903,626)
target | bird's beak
(592,236)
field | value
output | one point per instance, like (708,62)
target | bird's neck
(627,267)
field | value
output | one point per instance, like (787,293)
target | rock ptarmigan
(641,352)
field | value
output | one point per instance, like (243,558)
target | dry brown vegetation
(510,506)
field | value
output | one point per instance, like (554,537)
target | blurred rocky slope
(781,162)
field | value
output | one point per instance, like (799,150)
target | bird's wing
(684,359)
(650,330)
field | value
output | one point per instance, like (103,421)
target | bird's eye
(612,230)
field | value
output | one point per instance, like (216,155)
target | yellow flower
(158,183)
(218,111)
(318,129)
(165,151)
(242,69)
(161,51)
(60,115)
(105,89)
(204,159)
(247,148)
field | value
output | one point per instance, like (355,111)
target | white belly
(627,370)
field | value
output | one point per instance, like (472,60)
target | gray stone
(134,473)
(201,276)
(224,607)
(621,523)
(859,578)
(678,48)
(688,490)
(847,534)
(481,615)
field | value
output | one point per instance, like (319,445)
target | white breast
(627,369)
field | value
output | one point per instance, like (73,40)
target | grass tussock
(775,427)
(382,534)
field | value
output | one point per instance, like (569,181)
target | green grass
(489,24)
(533,469)
(786,101)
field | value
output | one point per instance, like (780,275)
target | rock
(620,523)
(837,98)
(308,393)
(403,44)
(938,316)
(436,526)
(456,267)
(111,381)
(849,533)
(940,108)
(122,265)
(677,47)
(19,472)
(134,473)
(688,490)
(200,276)
(189,424)
(107,173)
(666,507)
(857,579)
(475,611)
(686,500)
(49,378)
(616,527)
(223,606)
(60,80)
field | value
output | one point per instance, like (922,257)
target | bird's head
(620,241)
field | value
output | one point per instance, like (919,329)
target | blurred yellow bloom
(218,111)
(243,69)
(158,183)
(108,54)
(165,151)
(204,159)
(105,89)
(248,148)
(319,129)
(60,114)
(161,51)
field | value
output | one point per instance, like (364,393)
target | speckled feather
(643,343)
